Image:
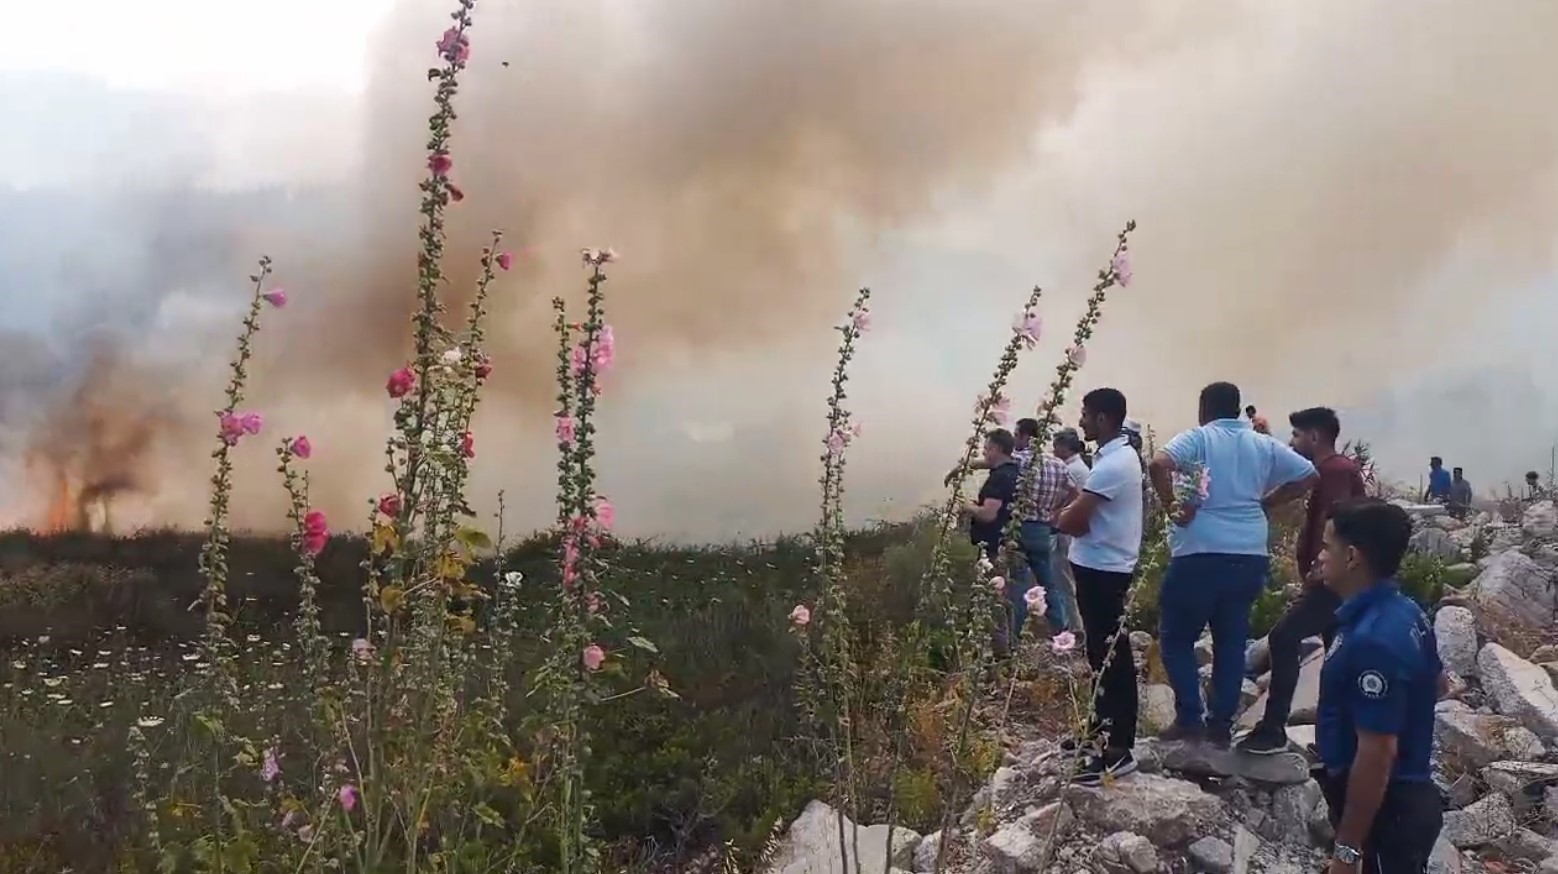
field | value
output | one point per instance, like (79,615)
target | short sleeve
(1003,483)
(1187,448)
(1109,478)
(1287,466)
(1378,688)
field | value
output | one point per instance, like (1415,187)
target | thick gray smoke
(1324,191)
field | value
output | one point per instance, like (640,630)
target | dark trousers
(1101,601)
(1405,829)
(1213,590)
(1314,613)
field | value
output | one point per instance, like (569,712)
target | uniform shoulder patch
(1373,684)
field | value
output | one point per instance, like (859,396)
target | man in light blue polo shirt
(1105,524)
(1218,549)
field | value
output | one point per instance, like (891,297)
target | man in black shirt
(989,514)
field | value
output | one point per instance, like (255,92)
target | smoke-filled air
(1337,201)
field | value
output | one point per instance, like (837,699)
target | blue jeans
(1208,589)
(1037,541)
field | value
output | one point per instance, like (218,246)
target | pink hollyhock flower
(800,617)
(1035,599)
(1121,265)
(362,649)
(998,584)
(468,444)
(594,657)
(455,194)
(605,513)
(836,441)
(483,368)
(1063,643)
(862,320)
(302,448)
(1077,355)
(251,423)
(505,260)
(306,833)
(1204,484)
(316,531)
(277,298)
(1029,326)
(440,164)
(401,382)
(291,819)
(230,427)
(271,769)
(454,46)
(594,603)
(566,429)
(348,797)
(389,504)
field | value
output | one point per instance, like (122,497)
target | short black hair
(1322,419)
(1220,400)
(1379,530)
(1028,428)
(1108,402)
(1460,470)
(1531,474)
(1436,461)
(1069,438)
(1003,440)
(1250,410)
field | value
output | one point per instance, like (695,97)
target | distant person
(1069,447)
(1438,490)
(1460,494)
(1257,421)
(1105,524)
(1534,490)
(1374,727)
(1315,432)
(992,509)
(1219,555)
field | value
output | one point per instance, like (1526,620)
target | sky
(1322,221)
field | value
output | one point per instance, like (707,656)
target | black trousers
(1101,601)
(1313,613)
(1405,829)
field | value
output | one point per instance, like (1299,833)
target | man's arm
(986,510)
(1378,694)
(976,464)
(1161,471)
(1366,784)
(1075,520)
(1288,492)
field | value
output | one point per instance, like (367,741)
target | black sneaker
(1264,741)
(1177,733)
(1111,765)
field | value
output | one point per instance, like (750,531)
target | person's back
(1438,481)
(1243,467)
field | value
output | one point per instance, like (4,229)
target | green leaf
(644,645)
(488,815)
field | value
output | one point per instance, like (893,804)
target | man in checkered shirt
(1052,490)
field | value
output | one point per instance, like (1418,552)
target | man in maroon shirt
(1314,436)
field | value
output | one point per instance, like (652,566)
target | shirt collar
(1112,445)
(1231,424)
(1354,607)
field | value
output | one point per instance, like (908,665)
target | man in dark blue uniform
(1375,724)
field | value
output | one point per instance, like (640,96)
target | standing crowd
(1381,676)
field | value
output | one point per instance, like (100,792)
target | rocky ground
(1195,809)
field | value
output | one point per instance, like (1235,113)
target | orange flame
(62,508)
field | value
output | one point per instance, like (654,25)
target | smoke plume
(1323,190)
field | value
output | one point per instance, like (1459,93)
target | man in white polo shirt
(1105,522)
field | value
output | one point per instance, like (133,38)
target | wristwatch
(1346,855)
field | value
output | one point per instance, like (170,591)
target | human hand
(1183,515)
